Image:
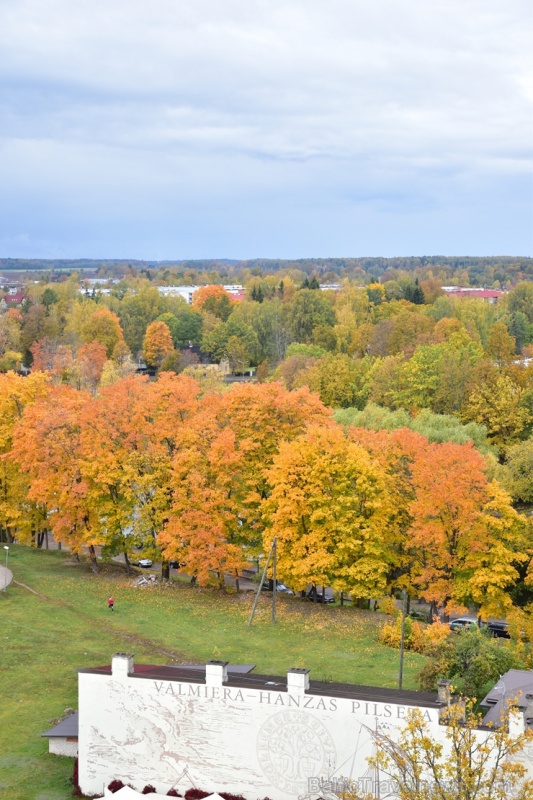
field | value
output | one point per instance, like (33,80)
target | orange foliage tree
(47,446)
(214,299)
(457,538)
(248,424)
(157,343)
(18,514)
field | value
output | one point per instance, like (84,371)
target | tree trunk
(127,562)
(94,562)
(165,570)
(342,598)
(237,584)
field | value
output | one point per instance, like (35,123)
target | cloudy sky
(265,128)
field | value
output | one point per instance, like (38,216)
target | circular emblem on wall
(293,746)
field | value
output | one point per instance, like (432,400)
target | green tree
(517,475)
(519,329)
(137,311)
(307,311)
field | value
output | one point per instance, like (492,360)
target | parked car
(143,562)
(318,597)
(285,589)
(280,587)
(462,623)
(499,629)
(174,564)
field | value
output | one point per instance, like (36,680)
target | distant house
(489,295)
(14,299)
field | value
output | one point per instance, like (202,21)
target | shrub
(472,660)
(115,785)
(149,789)
(388,606)
(391,634)
(196,794)
(173,793)
(229,796)
(434,636)
(418,637)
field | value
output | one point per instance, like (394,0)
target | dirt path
(131,639)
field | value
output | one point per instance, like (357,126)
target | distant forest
(489,271)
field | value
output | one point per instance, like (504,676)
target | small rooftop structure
(516,684)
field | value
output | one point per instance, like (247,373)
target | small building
(488,295)
(63,737)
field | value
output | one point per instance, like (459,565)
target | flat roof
(276,683)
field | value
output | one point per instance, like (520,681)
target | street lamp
(6,548)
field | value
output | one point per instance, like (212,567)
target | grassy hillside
(55,619)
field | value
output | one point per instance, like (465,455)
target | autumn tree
(18,515)
(213,299)
(129,435)
(103,327)
(467,537)
(326,509)
(90,361)
(499,403)
(471,764)
(157,343)
(248,422)
(500,345)
(47,446)
(308,310)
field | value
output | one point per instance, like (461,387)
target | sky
(176,129)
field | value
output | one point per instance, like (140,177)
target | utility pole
(404,609)
(261,582)
(274,578)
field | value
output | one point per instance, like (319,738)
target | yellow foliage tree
(328,511)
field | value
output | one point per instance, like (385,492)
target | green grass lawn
(64,624)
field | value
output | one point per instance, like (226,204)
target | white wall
(59,746)
(258,742)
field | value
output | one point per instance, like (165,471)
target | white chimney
(122,665)
(297,681)
(517,721)
(216,673)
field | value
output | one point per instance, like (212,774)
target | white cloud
(372,98)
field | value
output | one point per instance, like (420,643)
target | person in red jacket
(111,603)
